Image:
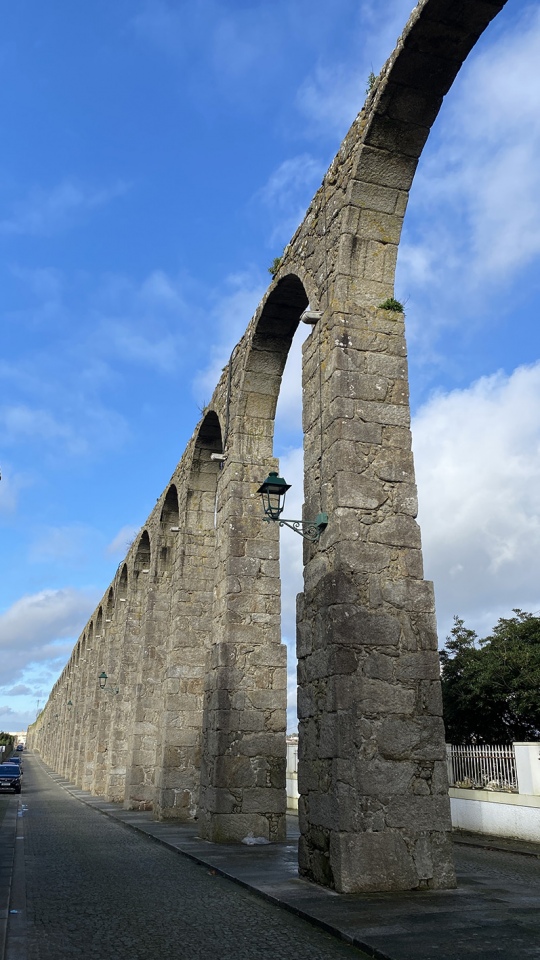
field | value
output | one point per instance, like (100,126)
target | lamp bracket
(308,529)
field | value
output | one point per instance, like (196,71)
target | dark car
(20,746)
(15,759)
(10,777)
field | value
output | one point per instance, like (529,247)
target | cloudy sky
(156,156)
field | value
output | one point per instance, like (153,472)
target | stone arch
(374,809)
(110,711)
(264,363)
(192,626)
(248,663)
(109,609)
(143,558)
(78,695)
(84,765)
(123,584)
(169,521)
(104,734)
(365,600)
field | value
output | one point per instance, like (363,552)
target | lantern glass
(273,492)
(102,680)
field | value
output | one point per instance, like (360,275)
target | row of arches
(189,630)
(114,737)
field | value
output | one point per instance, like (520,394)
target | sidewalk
(495,911)
(9,806)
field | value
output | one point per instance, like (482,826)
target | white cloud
(121,543)
(43,626)
(22,421)
(72,543)
(140,322)
(229,317)
(288,192)
(37,634)
(159,353)
(289,406)
(21,689)
(6,711)
(332,95)
(473,224)
(10,486)
(74,435)
(477,455)
(14,720)
(45,212)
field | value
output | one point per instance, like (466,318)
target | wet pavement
(493,912)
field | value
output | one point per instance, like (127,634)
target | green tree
(6,740)
(491,686)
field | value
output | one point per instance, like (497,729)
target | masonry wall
(193,640)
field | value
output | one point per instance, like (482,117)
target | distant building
(18,737)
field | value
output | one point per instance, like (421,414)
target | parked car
(10,777)
(20,746)
(15,759)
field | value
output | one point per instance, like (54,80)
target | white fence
(482,767)
(484,798)
(493,790)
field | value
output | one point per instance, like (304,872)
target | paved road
(89,888)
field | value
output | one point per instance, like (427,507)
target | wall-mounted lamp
(102,679)
(273,492)
(69,704)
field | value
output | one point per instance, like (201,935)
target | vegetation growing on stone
(275,265)
(391,304)
(370,82)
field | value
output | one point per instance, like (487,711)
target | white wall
(510,815)
(292,772)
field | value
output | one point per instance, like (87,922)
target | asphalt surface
(87,887)
(101,886)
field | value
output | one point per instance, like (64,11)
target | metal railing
(482,767)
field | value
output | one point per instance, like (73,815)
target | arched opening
(169,529)
(109,610)
(266,361)
(468,264)
(205,468)
(123,585)
(248,658)
(141,564)
(179,769)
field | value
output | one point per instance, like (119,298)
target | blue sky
(156,157)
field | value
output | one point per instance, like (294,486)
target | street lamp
(273,492)
(102,679)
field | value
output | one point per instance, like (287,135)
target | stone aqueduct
(189,629)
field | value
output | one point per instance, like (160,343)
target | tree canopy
(491,686)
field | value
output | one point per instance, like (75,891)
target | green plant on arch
(275,265)
(391,304)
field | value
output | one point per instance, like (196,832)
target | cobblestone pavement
(95,889)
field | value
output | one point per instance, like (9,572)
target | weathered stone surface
(364,861)
(190,627)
